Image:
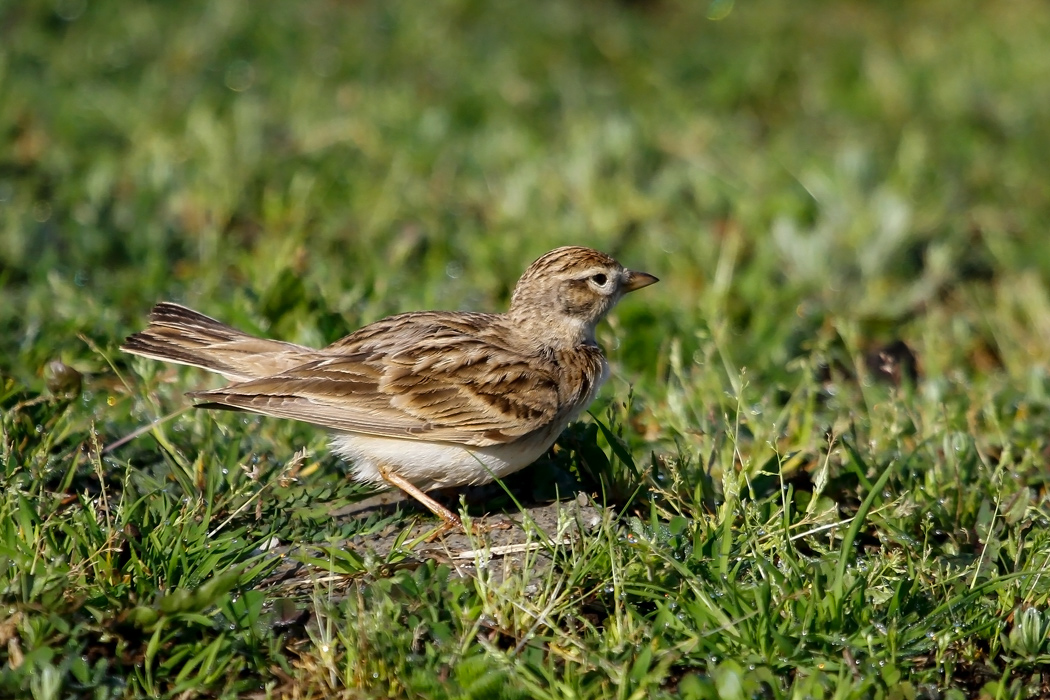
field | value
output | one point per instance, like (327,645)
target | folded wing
(418,376)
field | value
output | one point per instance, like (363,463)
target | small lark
(429,399)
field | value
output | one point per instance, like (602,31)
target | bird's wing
(423,376)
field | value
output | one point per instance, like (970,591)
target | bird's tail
(181,335)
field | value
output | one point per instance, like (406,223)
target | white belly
(438,465)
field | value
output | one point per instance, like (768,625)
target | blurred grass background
(813,182)
(852,159)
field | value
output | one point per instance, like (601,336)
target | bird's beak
(634,279)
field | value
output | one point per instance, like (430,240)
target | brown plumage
(425,399)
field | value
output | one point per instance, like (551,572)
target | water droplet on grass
(240,76)
(70,10)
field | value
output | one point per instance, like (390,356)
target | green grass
(794,515)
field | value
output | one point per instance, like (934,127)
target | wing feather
(426,376)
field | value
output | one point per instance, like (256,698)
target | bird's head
(566,292)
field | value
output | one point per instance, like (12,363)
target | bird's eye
(600,279)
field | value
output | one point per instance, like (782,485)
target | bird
(423,400)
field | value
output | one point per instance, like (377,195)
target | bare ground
(501,543)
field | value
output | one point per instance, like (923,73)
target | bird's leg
(451,519)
